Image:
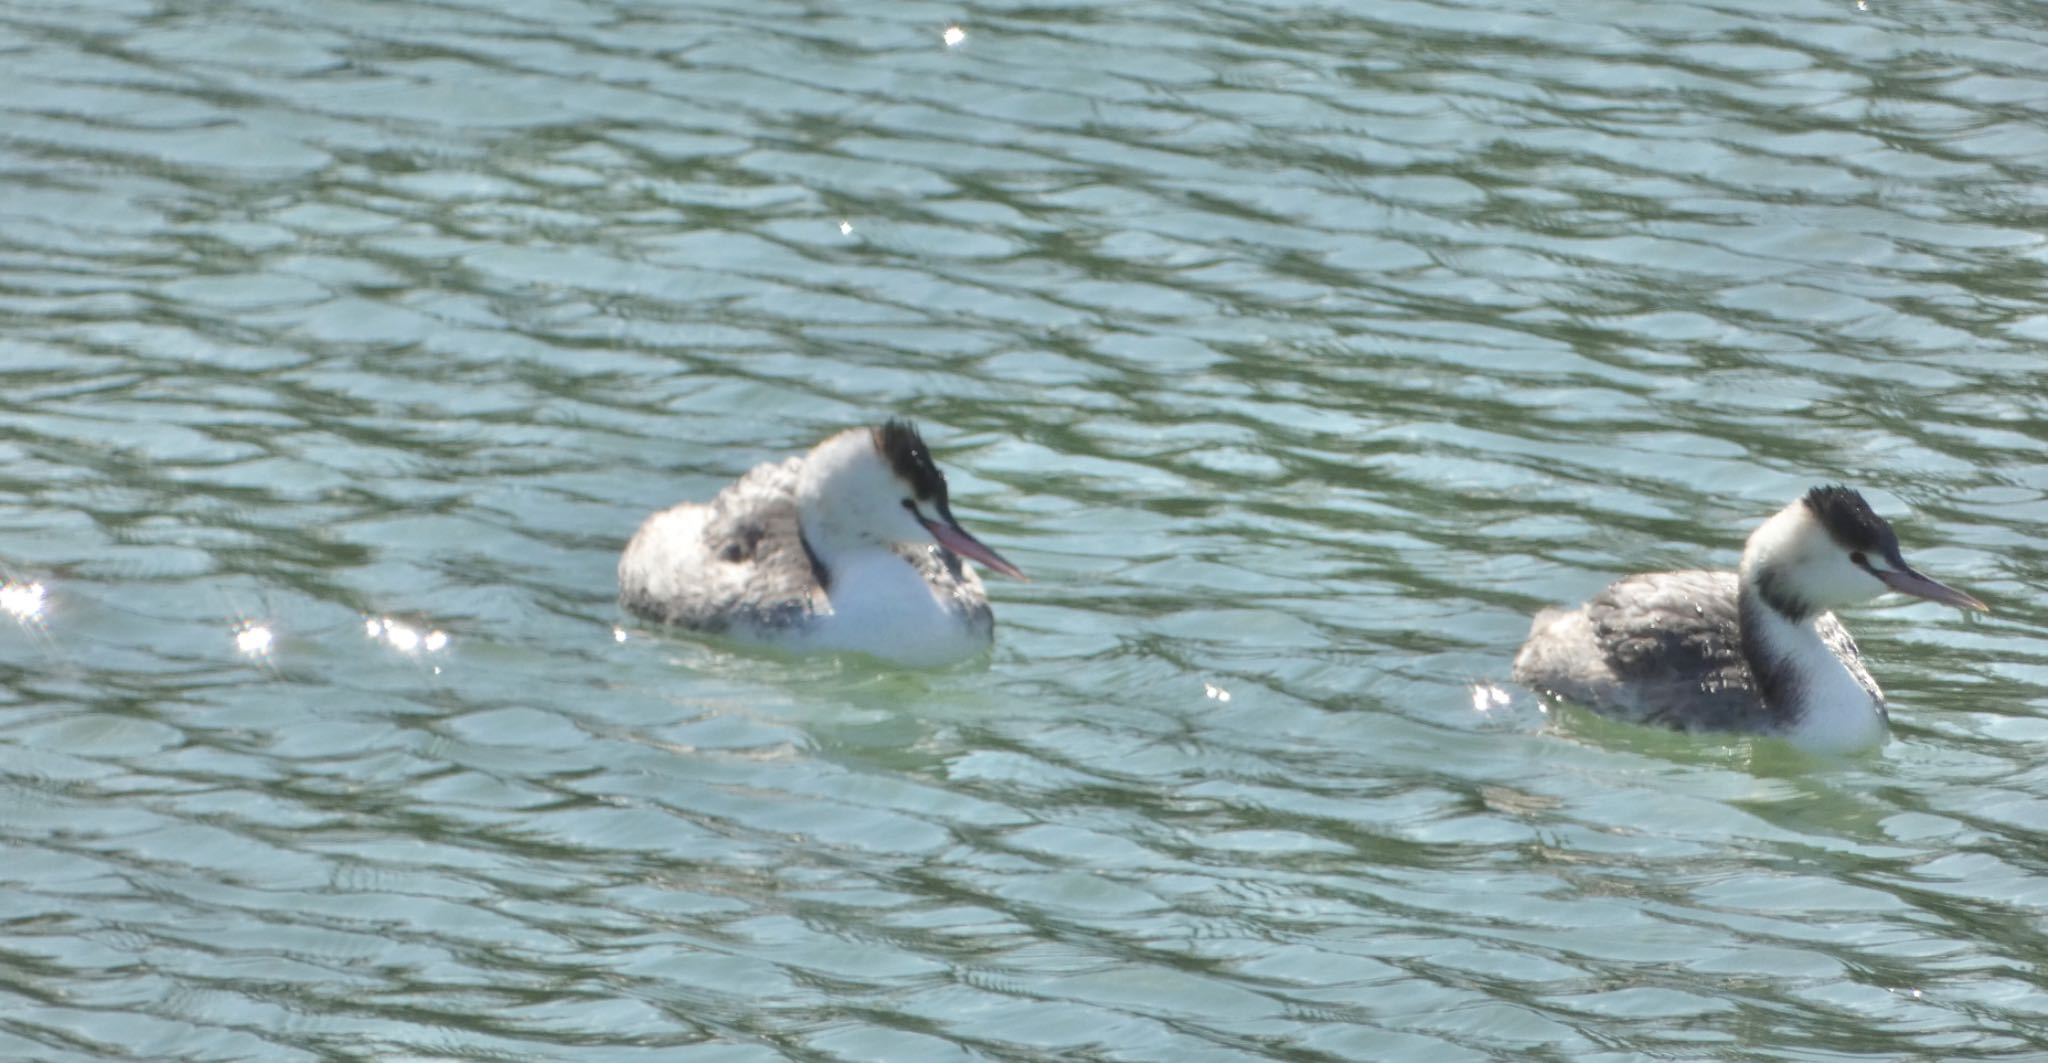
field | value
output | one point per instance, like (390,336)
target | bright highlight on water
(23,601)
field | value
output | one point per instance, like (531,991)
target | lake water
(1299,353)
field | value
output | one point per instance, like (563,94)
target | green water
(1299,353)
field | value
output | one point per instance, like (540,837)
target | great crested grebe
(1756,650)
(849,548)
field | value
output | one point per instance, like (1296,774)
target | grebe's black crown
(899,442)
(1851,523)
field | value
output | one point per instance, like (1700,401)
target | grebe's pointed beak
(1907,581)
(955,538)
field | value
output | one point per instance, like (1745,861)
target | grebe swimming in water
(850,548)
(1756,650)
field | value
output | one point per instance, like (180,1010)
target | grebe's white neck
(1820,702)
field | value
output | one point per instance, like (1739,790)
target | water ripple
(1300,352)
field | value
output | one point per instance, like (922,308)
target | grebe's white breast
(920,607)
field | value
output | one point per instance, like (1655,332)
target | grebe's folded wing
(1673,643)
(738,560)
(763,573)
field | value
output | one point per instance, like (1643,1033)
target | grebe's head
(1828,550)
(879,485)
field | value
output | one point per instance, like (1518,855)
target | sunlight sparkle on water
(1486,697)
(845,228)
(254,640)
(23,601)
(1211,690)
(404,637)
(954,35)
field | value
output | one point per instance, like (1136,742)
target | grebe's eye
(1858,557)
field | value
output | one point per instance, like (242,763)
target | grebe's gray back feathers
(1667,635)
(764,577)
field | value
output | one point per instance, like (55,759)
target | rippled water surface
(1298,352)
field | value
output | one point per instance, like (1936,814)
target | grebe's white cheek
(874,499)
(912,529)
(1839,581)
(1868,586)
(893,521)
